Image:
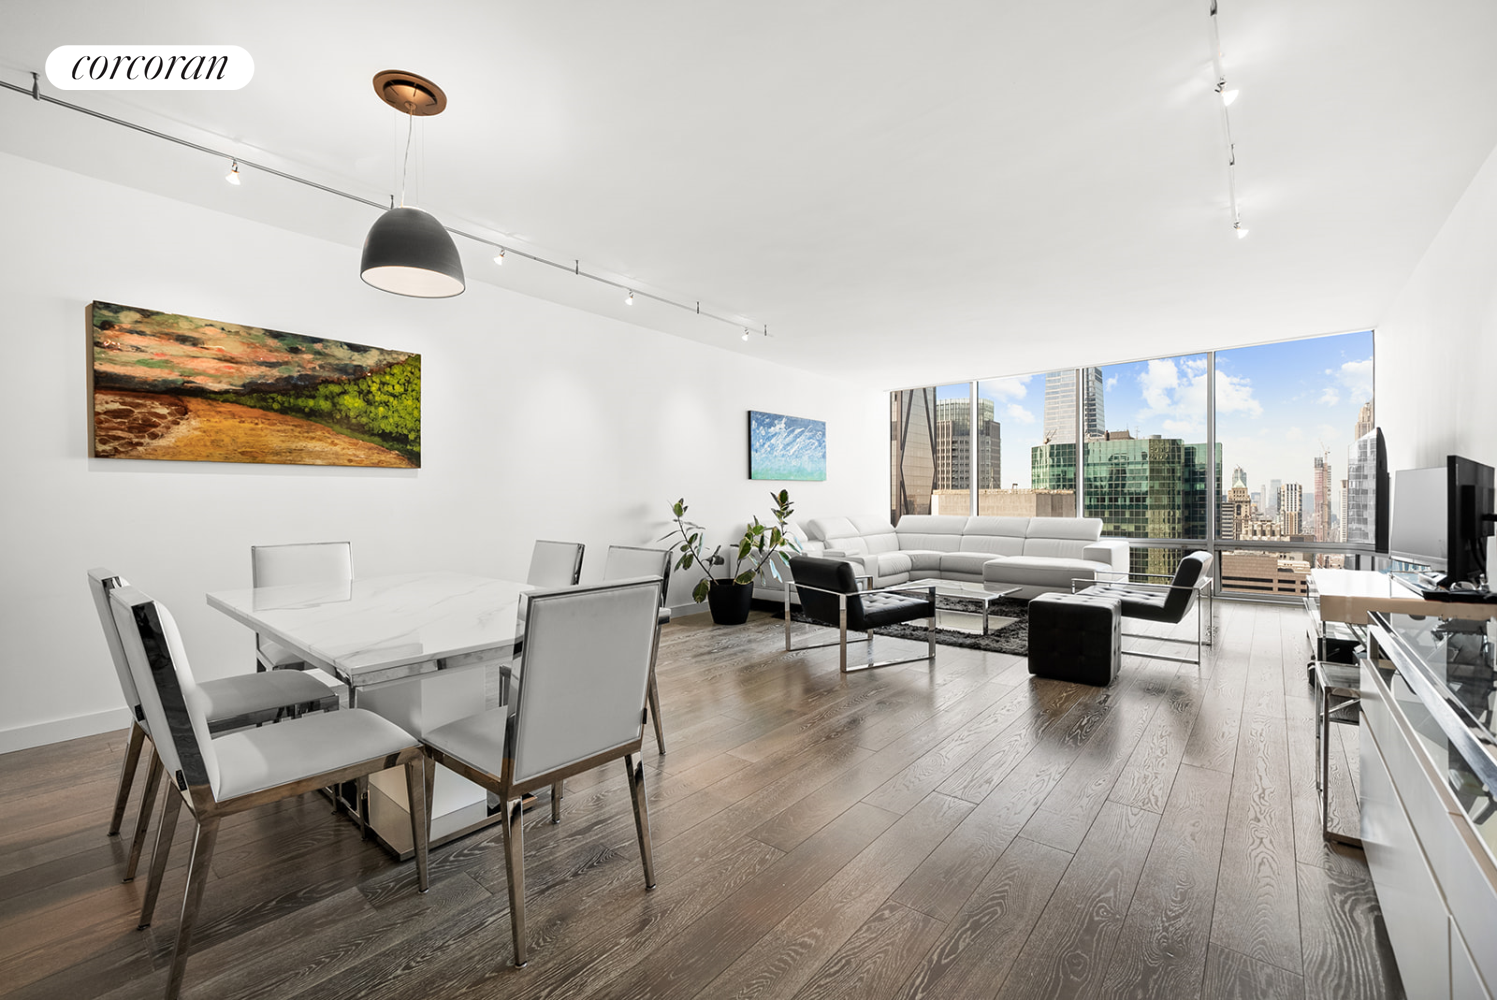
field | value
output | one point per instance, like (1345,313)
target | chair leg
(930,635)
(842,637)
(654,696)
(514,859)
(165,831)
(415,788)
(127,777)
(361,805)
(192,900)
(147,803)
(556,802)
(636,772)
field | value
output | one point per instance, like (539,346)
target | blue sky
(1275,404)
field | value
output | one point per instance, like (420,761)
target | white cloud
(1020,414)
(1356,376)
(1156,382)
(1294,434)
(1181,427)
(1112,382)
(1005,388)
(1330,397)
(1235,395)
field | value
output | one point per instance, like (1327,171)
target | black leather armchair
(1169,603)
(829,596)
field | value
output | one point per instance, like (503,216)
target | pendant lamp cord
(405,165)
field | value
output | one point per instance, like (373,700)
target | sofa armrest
(1113,551)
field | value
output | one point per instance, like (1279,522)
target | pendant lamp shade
(409,253)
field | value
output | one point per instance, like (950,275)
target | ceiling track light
(1227,97)
(233,175)
(33,92)
(629,299)
(499,257)
(408,252)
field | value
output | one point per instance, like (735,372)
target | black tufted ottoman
(1075,637)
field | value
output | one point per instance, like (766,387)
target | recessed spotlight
(745,333)
(499,258)
(233,175)
(1228,96)
(629,301)
(1239,229)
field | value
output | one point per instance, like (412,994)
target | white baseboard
(59,730)
(692,608)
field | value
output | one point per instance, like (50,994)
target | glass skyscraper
(1060,406)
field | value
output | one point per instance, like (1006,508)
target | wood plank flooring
(959,832)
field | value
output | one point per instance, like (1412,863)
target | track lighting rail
(34,92)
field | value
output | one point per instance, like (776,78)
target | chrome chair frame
(581,548)
(512,792)
(1205,608)
(130,767)
(841,643)
(192,784)
(1339,700)
(653,703)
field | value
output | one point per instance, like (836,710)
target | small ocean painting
(782,447)
(177,388)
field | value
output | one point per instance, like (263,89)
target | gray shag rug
(1011,638)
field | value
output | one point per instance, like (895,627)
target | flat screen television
(1443,516)
(1469,516)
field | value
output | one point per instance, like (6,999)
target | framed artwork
(782,447)
(178,388)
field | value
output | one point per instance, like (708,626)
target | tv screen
(1468,516)
(1418,530)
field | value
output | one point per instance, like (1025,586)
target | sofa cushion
(941,532)
(882,564)
(1087,529)
(1056,548)
(925,562)
(1031,571)
(825,528)
(963,565)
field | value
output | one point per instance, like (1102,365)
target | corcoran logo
(149,67)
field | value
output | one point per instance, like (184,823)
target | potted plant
(728,596)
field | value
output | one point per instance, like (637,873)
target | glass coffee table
(974,622)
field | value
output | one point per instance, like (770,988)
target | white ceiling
(903,192)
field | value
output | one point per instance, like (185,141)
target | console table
(1429,816)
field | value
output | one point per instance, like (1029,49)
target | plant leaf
(745,577)
(699,592)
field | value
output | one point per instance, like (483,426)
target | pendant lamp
(407,251)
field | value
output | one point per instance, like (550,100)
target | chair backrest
(305,562)
(627,561)
(1183,591)
(169,695)
(824,574)
(555,564)
(582,680)
(101,582)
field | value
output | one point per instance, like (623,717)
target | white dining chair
(241,700)
(579,704)
(555,564)
(623,562)
(218,777)
(296,563)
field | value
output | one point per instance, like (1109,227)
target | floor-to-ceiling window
(1263,455)
(1145,465)
(1298,483)
(1030,421)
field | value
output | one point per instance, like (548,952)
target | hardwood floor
(957,832)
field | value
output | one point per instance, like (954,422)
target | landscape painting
(178,388)
(782,447)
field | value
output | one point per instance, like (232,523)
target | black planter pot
(729,602)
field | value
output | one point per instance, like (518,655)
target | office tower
(1365,423)
(955,444)
(1321,518)
(1359,500)
(1236,507)
(1060,406)
(1271,498)
(912,447)
(1152,487)
(1291,504)
(1343,520)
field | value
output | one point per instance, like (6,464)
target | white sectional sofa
(1036,554)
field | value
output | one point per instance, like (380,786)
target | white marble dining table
(411,647)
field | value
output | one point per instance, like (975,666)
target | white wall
(1436,363)
(539,421)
